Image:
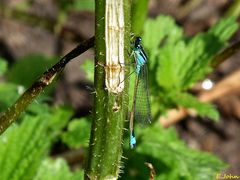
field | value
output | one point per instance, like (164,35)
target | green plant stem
(13,112)
(225,54)
(110,104)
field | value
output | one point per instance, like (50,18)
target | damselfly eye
(139,38)
(137,42)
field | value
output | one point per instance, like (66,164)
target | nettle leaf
(189,101)
(224,29)
(176,160)
(23,147)
(78,133)
(163,30)
(171,62)
(30,139)
(27,69)
(203,47)
(156,30)
(3,66)
(198,54)
(56,170)
(182,64)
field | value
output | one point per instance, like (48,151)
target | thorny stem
(110,101)
(13,112)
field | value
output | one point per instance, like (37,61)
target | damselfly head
(137,43)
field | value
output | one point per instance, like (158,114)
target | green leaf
(8,94)
(30,139)
(77,134)
(181,61)
(170,157)
(28,69)
(163,28)
(169,74)
(88,68)
(37,107)
(60,117)
(225,28)
(3,66)
(56,170)
(175,155)
(189,101)
(23,147)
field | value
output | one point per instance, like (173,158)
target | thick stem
(111,101)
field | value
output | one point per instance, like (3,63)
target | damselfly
(141,110)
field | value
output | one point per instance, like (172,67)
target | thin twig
(12,113)
(152,170)
(225,54)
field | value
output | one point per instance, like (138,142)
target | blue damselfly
(141,110)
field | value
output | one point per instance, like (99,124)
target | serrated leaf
(77,134)
(56,170)
(174,153)
(224,29)
(23,148)
(155,30)
(161,30)
(26,145)
(189,101)
(170,157)
(187,60)
(169,73)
